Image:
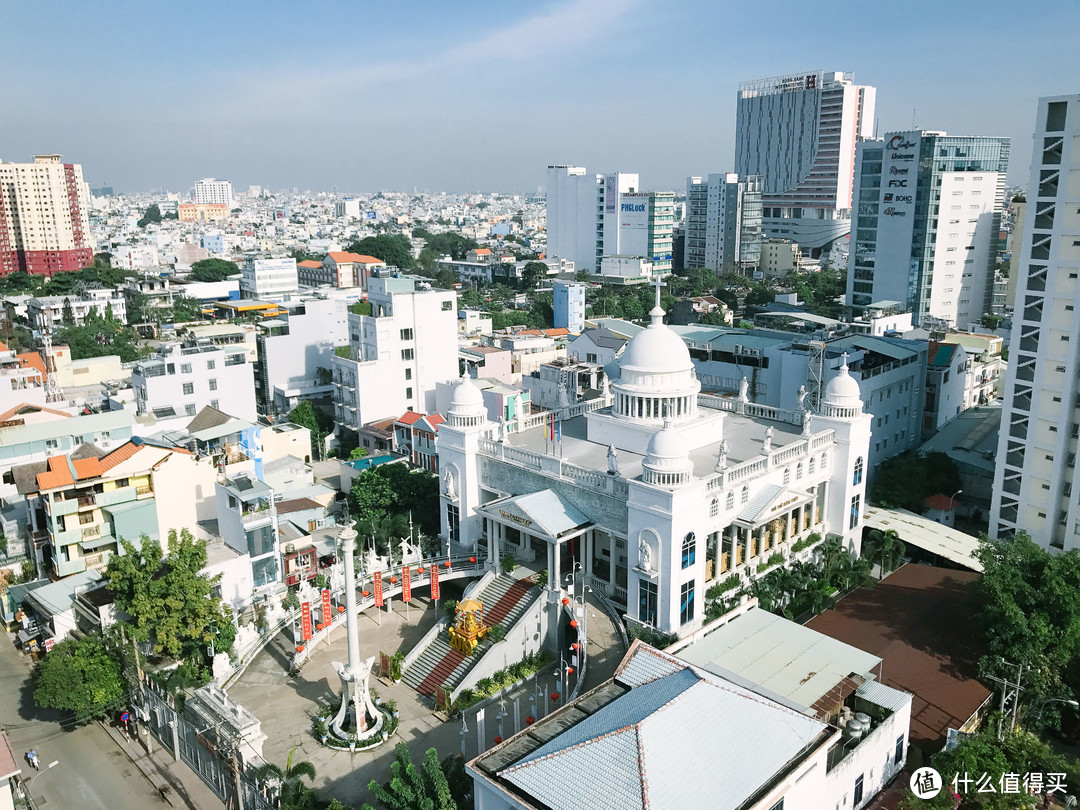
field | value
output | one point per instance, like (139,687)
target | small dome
(667,444)
(466,395)
(843,389)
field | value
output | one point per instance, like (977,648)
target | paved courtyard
(286,705)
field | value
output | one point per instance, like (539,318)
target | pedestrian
(32,758)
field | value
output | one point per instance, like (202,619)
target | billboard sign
(305,621)
(327,616)
(378,589)
(406,584)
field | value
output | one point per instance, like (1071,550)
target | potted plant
(396,662)
(321,727)
(509,563)
(392,706)
(375,696)
(352,743)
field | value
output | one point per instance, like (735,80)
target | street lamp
(1045,703)
(952,500)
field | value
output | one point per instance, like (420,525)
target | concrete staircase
(505,599)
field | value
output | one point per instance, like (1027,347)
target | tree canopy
(394,249)
(213,270)
(432,786)
(170,601)
(449,244)
(380,494)
(305,415)
(81,676)
(153,214)
(99,335)
(906,480)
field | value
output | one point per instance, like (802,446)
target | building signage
(515,518)
(378,589)
(406,584)
(327,616)
(894,212)
(610,193)
(900,142)
(898,170)
(629,208)
(435,582)
(898,184)
(305,621)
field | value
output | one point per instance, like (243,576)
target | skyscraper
(928,224)
(44,225)
(211,191)
(571,215)
(799,133)
(1034,486)
(723,222)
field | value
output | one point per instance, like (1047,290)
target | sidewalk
(184,787)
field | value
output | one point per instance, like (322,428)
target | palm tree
(892,550)
(295,795)
(412,788)
(832,551)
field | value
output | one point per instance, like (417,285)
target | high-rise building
(592,216)
(799,133)
(268,278)
(928,226)
(723,222)
(44,225)
(1034,488)
(209,191)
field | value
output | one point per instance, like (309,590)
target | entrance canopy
(545,513)
(772,502)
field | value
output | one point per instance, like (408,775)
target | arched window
(798,471)
(824,459)
(810,466)
(689,550)
(714,507)
(745,495)
(856,476)
(731,500)
(787,475)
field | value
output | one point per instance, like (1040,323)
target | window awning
(97,542)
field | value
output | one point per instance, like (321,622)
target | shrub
(496,633)
(542,579)
(725,585)
(774,559)
(509,563)
(450,608)
(806,542)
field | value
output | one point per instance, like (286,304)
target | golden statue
(470,628)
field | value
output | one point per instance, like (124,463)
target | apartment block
(180,380)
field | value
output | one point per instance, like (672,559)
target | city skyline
(464,99)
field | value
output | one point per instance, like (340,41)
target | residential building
(295,352)
(397,354)
(569,305)
(418,433)
(625,270)
(339,269)
(599,345)
(248,523)
(181,380)
(79,506)
(947,370)
(48,311)
(9,774)
(691,310)
(723,222)
(929,221)
(798,132)
(1034,487)
(564,382)
(652,479)
(44,217)
(268,279)
(349,208)
(645,724)
(473,323)
(22,378)
(488,361)
(502,402)
(209,191)
(782,256)
(986,372)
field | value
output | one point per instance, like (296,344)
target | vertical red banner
(378,589)
(305,620)
(434,582)
(327,616)
(406,585)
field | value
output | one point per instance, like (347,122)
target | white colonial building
(655,490)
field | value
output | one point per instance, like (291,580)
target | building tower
(799,133)
(209,191)
(723,222)
(44,224)
(1034,488)
(928,226)
(459,463)
(53,392)
(571,215)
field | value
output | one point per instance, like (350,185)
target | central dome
(656,349)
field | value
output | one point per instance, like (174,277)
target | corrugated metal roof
(646,667)
(882,695)
(952,544)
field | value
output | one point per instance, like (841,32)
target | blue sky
(483,95)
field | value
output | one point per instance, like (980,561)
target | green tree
(170,601)
(67,316)
(1027,609)
(533,274)
(394,249)
(885,548)
(289,781)
(305,415)
(449,243)
(153,214)
(80,676)
(213,270)
(906,480)
(394,489)
(412,788)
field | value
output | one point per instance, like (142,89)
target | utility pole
(1009,690)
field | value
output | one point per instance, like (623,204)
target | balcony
(144,491)
(69,567)
(86,501)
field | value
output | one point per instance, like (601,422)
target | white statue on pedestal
(744,387)
(449,487)
(612,461)
(721,457)
(644,555)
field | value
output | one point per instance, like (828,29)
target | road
(92,774)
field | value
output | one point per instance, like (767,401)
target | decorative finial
(844,367)
(657,313)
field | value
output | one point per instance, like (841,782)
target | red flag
(406,585)
(305,620)
(434,582)
(327,616)
(378,589)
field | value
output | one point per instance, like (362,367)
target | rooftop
(917,620)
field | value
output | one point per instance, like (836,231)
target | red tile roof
(58,474)
(482,251)
(26,407)
(32,360)
(409,418)
(309,263)
(343,257)
(939,501)
(121,453)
